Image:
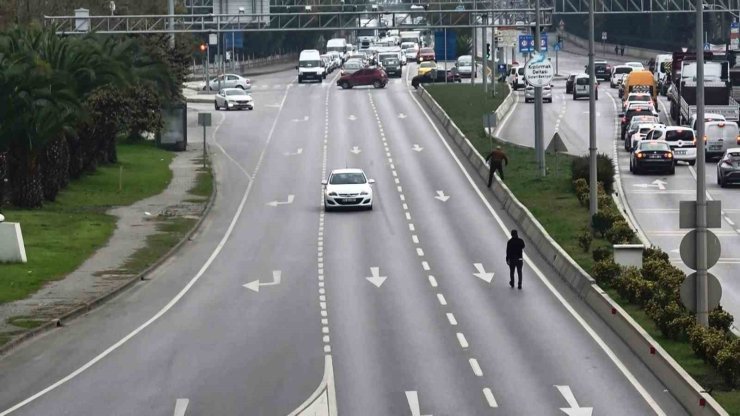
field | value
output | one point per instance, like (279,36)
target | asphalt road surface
(411,300)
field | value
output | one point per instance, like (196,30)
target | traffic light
(203,47)
(488,50)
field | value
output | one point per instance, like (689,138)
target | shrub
(655,253)
(601,254)
(605,271)
(579,169)
(720,319)
(620,233)
(602,221)
(728,362)
(585,238)
(653,269)
(633,287)
(707,342)
(672,319)
(580,185)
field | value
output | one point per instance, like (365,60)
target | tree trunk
(75,157)
(54,167)
(4,181)
(25,179)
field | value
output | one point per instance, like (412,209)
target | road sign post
(538,137)
(204,119)
(702,307)
(556,146)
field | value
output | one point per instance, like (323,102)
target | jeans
(515,264)
(495,166)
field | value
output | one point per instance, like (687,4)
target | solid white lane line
(597,339)
(461,339)
(441,299)
(451,318)
(489,397)
(181,406)
(476,367)
(432,281)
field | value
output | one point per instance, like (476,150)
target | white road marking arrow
(181,406)
(376,278)
(660,184)
(417,148)
(413,399)
(356,150)
(352,117)
(654,184)
(255,285)
(297,152)
(441,196)
(574,409)
(276,203)
(296,120)
(402,115)
(482,274)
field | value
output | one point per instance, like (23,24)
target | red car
(426,54)
(366,76)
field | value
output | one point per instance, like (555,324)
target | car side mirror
(371,181)
(324,182)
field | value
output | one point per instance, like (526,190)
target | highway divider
(683,387)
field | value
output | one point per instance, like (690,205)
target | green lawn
(63,234)
(553,202)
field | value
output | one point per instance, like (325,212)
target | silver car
(546,93)
(230,81)
(464,66)
(728,167)
(233,99)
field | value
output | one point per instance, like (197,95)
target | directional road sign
(539,71)
(526,43)
(688,292)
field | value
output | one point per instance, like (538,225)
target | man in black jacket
(515,257)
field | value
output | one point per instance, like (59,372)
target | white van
(707,117)
(720,136)
(338,45)
(310,66)
(659,72)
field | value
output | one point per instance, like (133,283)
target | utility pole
(484,40)
(593,206)
(171,19)
(702,312)
(538,137)
(474,72)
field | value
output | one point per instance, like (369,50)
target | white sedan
(233,99)
(347,188)
(230,81)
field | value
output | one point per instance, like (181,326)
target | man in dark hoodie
(515,257)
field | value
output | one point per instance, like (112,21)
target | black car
(652,155)
(392,66)
(602,69)
(569,83)
(436,76)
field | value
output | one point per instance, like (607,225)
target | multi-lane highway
(410,300)
(652,199)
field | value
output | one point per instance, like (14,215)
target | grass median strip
(553,201)
(60,236)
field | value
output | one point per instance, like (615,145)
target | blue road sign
(706,46)
(526,43)
(556,47)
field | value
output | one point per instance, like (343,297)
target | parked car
(652,155)
(347,188)
(230,81)
(464,66)
(546,93)
(582,88)
(426,54)
(365,76)
(681,139)
(728,167)
(233,99)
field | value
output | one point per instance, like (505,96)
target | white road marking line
(326,339)
(322,298)
(327,349)
(403,197)
(461,339)
(476,367)
(181,406)
(324,321)
(419,252)
(441,299)
(394,173)
(325,329)
(729,221)
(405,206)
(432,281)
(400,189)
(425,265)
(322,305)
(489,397)
(415,239)
(597,339)
(324,313)
(408,216)
(411,227)
(451,318)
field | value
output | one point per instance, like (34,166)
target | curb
(683,387)
(93,304)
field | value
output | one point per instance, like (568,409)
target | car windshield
(427,50)
(465,61)
(645,130)
(309,64)
(349,178)
(654,146)
(623,70)
(676,135)
(735,156)
(582,81)
(235,92)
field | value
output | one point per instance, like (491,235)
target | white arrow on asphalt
(574,409)
(660,184)
(441,196)
(276,203)
(417,148)
(356,150)
(654,184)
(255,285)
(376,278)
(296,120)
(402,115)
(413,399)
(297,152)
(181,406)
(352,117)
(482,274)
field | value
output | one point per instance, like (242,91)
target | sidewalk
(100,275)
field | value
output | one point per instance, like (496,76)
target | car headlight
(230,103)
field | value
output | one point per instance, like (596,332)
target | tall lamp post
(702,307)
(239,24)
(592,190)
(171,20)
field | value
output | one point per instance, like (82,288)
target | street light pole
(702,307)
(171,19)
(538,136)
(474,72)
(593,206)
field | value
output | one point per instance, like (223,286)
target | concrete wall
(629,50)
(684,388)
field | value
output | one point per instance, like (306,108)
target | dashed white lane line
(415,239)
(462,340)
(489,397)
(451,318)
(432,281)
(419,252)
(399,189)
(476,367)
(441,299)
(425,265)
(408,215)
(411,227)
(405,207)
